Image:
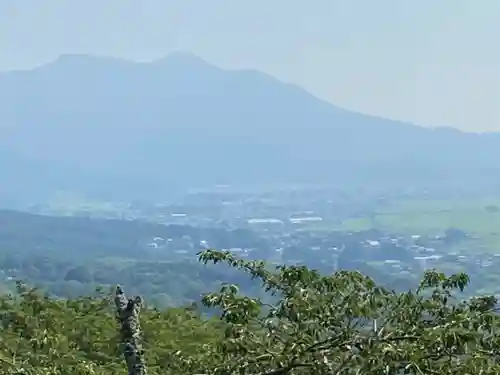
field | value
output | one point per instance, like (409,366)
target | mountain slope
(107,125)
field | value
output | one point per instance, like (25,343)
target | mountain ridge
(183,57)
(82,121)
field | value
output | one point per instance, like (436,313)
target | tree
(80,274)
(45,336)
(345,324)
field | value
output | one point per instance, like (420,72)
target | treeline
(162,283)
(85,238)
(69,257)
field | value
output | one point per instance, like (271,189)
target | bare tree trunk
(128,315)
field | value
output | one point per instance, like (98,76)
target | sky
(433,63)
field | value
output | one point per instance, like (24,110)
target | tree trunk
(128,315)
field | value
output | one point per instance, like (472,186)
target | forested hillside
(70,256)
(90,238)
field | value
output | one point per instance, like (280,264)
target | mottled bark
(128,315)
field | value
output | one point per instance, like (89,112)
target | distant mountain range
(103,125)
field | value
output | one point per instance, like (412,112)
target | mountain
(109,126)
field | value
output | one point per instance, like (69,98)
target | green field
(430,217)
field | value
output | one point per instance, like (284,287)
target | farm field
(479,218)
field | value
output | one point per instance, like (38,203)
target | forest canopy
(342,323)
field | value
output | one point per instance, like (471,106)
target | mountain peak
(185,60)
(78,62)
(81,58)
(185,56)
(173,58)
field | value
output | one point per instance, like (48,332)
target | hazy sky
(430,62)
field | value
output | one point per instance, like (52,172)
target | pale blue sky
(429,62)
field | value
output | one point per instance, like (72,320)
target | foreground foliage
(45,336)
(338,324)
